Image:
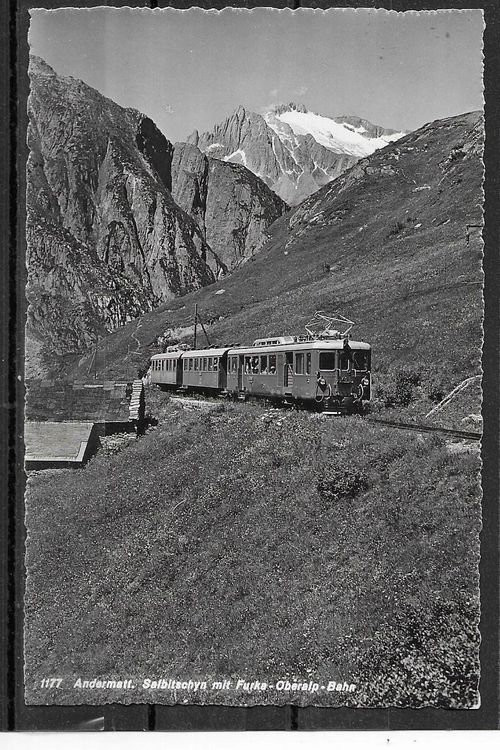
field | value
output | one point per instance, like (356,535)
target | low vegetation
(412,395)
(243,542)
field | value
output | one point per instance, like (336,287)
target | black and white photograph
(254,329)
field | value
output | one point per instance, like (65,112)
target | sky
(190,69)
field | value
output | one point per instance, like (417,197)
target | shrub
(397,228)
(340,483)
(437,385)
(399,389)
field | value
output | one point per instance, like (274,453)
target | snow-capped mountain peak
(336,135)
(295,151)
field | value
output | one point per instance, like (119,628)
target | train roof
(168,355)
(302,346)
(216,352)
(323,344)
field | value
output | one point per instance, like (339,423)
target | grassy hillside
(262,545)
(388,244)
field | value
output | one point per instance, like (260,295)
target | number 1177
(51,682)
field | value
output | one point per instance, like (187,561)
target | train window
(204,364)
(248,365)
(196,363)
(216,364)
(299,363)
(185,364)
(190,363)
(210,364)
(255,366)
(308,363)
(360,360)
(234,364)
(263,364)
(327,361)
(272,364)
(344,360)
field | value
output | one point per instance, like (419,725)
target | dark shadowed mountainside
(394,244)
(106,239)
(232,207)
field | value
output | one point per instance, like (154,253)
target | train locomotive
(324,370)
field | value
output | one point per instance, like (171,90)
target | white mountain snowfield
(341,138)
(294,151)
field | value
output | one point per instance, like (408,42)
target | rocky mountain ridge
(230,205)
(119,219)
(293,150)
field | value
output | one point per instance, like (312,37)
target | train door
(240,372)
(223,368)
(288,370)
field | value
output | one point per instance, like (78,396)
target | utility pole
(95,356)
(195,323)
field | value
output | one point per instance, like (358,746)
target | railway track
(461,434)
(204,403)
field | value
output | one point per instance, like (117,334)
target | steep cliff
(232,207)
(293,150)
(106,239)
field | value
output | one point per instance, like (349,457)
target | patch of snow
(423,187)
(214,145)
(238,157)
(282,166)
(317,166)
(334,136)
(220,291)
(417,226)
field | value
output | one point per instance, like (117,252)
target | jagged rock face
(293,150)
(106,240)
(232,207)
